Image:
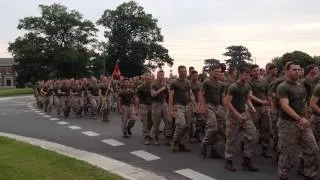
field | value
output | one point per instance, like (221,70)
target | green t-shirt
(144,94)
(181,88)
(196,86)
(316,93)
(126,96)
(239,95)
(296,94)
(163,95)
(259,89)
(213,91)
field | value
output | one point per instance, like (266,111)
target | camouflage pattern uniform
(292,134)
(215,117)
(160,110)
(239,95)
(181,112)
(260,118)
(145,102)
(128,116)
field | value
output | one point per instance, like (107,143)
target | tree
(239,56)
(133,38)
(55,45)
(301,58)
(208,63)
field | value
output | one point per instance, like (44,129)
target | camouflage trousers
(315,124)
(57,103)
(182,121)
(160,111)
(105,107)
(128,117)
(262,123)
(145,117)
(65,104)
(274,119)
(95,103)
(290,135)
(77,104)
(214,135)
(248,133)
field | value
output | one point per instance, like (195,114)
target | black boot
(247,163)
(147,140)
(168,140)
(265,153)
(216,155)
(242,146)
(301,168)
(125,135)
(183,148)
(229,166)
(175,146)
(204,150)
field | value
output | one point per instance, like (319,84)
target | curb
(114,166)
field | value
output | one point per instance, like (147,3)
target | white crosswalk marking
(62,122)
(90,133)
(145,155)
(113,142)
(41,113)
(54,119)
(46,116)
(74,127)
(189,173)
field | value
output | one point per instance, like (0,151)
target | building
(7,73)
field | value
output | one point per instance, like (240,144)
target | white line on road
(46,116)
(54,119)
(74,127)
(62,122)
(26,111)
(189,173)
(41,113)
(145,155)
(113,142)
(90,133)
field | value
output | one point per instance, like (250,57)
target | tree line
(239,56)
(60,43)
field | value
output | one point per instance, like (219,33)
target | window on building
(8,82)
(9,70)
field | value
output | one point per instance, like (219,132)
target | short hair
(244,70)
(253,66)
(271,66)
(214,67)
(309,68)
(191,67)
(289,64)
(161,71)
(194,72)
(181,67)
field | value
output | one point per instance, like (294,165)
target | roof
(6,61)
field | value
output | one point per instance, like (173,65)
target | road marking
(54,119)
(41,113)
(90,133)
(113,142)
(62,122)
(37,111)
(74,127)
(26,111)
(145,155)
(189,173)
(46,116)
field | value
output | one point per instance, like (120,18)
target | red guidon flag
(116,71)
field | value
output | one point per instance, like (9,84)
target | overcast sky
(196,30)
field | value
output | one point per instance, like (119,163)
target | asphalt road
(20,117)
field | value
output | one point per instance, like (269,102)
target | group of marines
(276,111)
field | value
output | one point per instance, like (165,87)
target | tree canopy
(238,56)
(302,58)
(133,38)
(56,45)
(208,63)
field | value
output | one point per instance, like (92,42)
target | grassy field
(15,91)
(21,161)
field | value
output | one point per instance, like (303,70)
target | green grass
(21,161)
(15,91)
